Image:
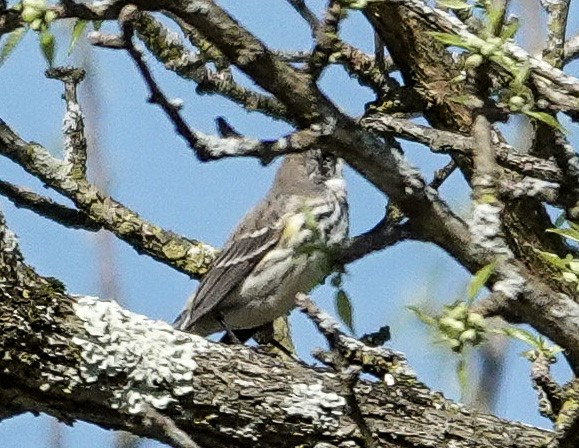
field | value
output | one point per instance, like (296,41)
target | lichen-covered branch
(486,223)
(571,49)
(188,256)
(166,46)
(557,12)
(87,359)
(447,142)
(509,221)
(44,206)
(74,145)
(560,89)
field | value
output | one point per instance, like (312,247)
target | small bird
(280,248)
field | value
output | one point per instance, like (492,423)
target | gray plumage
(277,250)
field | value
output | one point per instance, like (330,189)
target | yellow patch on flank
(293,224)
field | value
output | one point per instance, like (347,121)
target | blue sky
(153,172)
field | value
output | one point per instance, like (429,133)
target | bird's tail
(183,320)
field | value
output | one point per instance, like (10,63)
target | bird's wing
(241,254)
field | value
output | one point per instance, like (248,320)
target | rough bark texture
(80,358)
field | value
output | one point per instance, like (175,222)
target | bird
(281,247)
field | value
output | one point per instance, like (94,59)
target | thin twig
(306,13)
(188,256)
(447,142)
(179,438)
(44,206)
(348,373)
(208,147)
(126,18)
(326,38)
(384,234)
(442,174)
(166,46)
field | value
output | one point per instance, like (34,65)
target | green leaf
(554,259)
(545,118)
(10,44)
(47,45)
(510,30)
(494,16)
(77,30)
(457,5)
(479,279)
(96,24)
(344,309)
(522,335)
(450,40)
(571,234)
(423,316)
(521,77)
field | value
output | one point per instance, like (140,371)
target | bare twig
(126,18)
(209,147)
(382,362)
(386,233)
(326,38)
(44,206)
(550,393)
(295,57)
(442,174)
(306,13)
(349,373)
(166,46)
(178,437)
(106,40)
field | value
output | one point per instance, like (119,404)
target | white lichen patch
(485,229)
(414,184)
(310,401)
(531,187)
(227,146)
(155,361)
(250,431)
(511,282)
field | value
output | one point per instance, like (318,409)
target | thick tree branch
(447,142)
(89,359)
(560,89)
